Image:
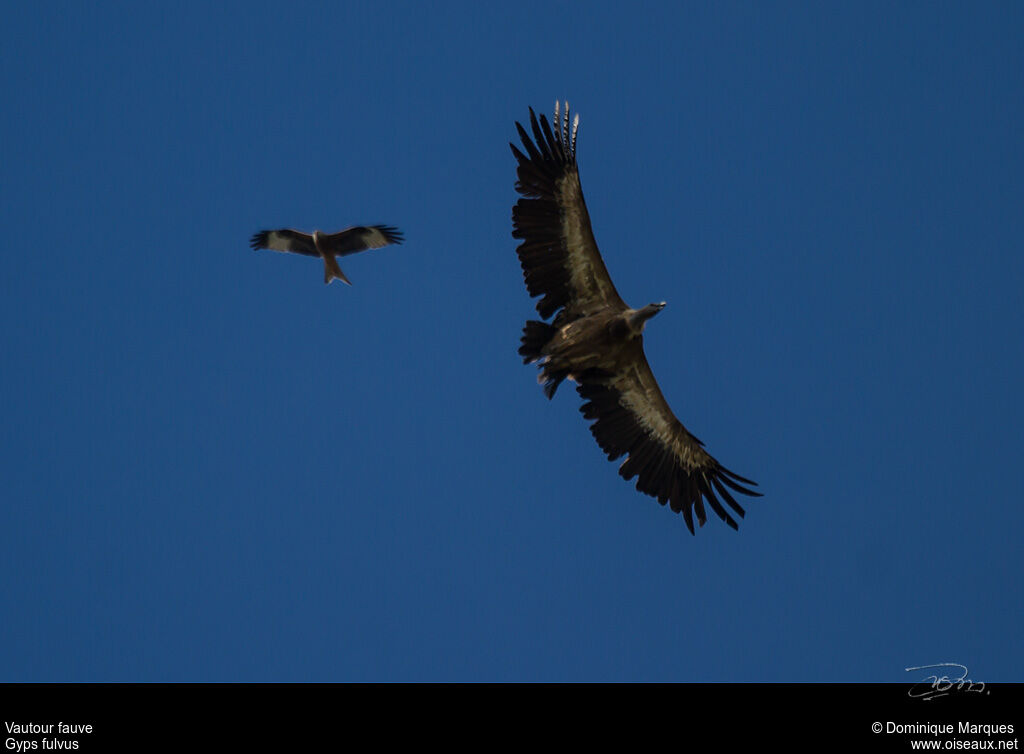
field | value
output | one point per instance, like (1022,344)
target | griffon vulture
(596,340)
(328,245)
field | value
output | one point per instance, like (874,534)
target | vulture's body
(328,246)
(596,340)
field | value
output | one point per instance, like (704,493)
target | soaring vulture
(596,340)
(328,245)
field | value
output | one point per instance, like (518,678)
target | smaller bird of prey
(596,340)
(328,246)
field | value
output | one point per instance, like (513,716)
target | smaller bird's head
(638,318)
(319,241)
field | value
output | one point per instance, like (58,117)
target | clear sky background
(215,468)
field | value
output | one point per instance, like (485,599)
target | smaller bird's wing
(558,253)
(285,240)
(361,238)
(631,417)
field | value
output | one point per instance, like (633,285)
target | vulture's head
(638,317)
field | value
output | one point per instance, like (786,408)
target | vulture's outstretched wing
(558,254)
(285,240)
(631,417)
(360,238)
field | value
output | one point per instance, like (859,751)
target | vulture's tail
(535,336)
(332,270)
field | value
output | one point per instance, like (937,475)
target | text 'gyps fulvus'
(596,340)
(328,245)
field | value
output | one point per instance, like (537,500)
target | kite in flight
(596,340)
(328,245)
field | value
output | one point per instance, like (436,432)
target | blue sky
(215,468)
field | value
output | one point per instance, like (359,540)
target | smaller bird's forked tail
(332,271)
